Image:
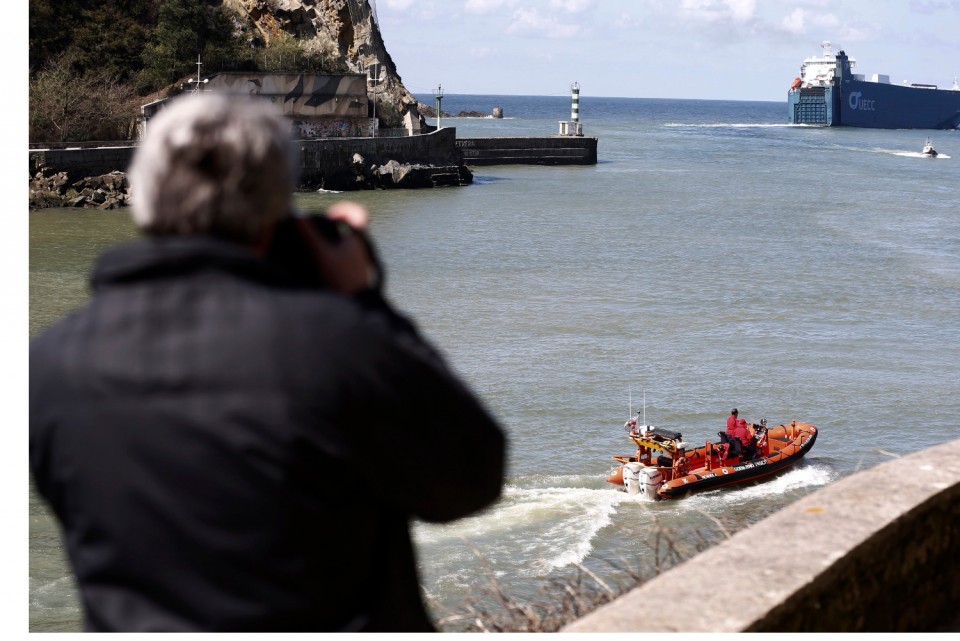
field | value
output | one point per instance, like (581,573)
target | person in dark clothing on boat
(230,447)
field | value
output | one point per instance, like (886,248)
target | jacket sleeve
(437,453)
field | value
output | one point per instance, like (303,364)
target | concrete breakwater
(339,164)
(409,162)
(436,159)
(547,150)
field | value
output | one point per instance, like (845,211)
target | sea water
(715,257)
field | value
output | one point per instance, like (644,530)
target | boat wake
(544,523)
(914,154)
(549,521)
(805,476)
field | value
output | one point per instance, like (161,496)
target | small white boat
(928,149)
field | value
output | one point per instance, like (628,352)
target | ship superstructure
(827,92)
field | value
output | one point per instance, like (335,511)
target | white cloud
(719,10)
(572,6)
(795,23)
(529,22)
(742,10)
(800,22)
(481,52)
(487,6)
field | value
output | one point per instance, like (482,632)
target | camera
(294,250)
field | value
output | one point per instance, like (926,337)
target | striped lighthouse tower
(573,127)
(575,102)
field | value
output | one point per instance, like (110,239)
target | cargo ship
(828,93)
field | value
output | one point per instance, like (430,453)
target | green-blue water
(714,257)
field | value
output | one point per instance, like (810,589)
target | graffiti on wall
(332,128)
(319,106)
(301,94)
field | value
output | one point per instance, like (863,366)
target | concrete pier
(550,150)
(439,158)
(332,163)
(878,551)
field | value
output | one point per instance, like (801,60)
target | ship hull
(858,103)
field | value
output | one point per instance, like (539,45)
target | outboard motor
(645,481)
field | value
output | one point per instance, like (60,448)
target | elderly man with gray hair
(237,429)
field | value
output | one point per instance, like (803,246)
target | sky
(708,49)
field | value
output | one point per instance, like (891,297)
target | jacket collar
(167,256)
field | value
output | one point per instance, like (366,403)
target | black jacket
(227,452)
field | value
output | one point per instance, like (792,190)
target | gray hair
(215,165)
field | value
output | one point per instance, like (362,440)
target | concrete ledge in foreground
(876,551)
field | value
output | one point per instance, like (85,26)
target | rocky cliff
(346,29)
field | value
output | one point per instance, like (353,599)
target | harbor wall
(322,155)
(82,162)
(878,551)
(551,150)
(434,159)
(321,160)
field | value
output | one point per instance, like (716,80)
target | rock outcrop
(346,30)
(54,189)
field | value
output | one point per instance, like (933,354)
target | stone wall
(878,551)
(338,163)
(81,163)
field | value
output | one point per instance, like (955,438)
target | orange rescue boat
(664,467)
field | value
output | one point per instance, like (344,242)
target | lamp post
(375,79)
(438,94)
(196,83)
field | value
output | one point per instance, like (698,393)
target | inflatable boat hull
(707,467)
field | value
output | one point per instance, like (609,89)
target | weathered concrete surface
(549,150)
(347,163)
(80,163)
(877,551)
(331,163)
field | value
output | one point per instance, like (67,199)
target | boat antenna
(630,404)
(644,406)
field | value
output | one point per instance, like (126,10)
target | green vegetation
(93,62)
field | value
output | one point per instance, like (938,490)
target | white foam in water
(916,154)
(554,525)
(798,478)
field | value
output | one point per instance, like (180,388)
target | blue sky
(715,49)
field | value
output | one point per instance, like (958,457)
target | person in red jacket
(732,421)
(742,432)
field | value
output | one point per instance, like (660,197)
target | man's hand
(346,266)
